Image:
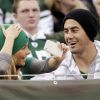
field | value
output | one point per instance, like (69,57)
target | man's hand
(55,61)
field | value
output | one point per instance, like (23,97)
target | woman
(60,8)
(14,49)
(10,50)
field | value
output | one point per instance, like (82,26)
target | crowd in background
(49,19)
(52,14)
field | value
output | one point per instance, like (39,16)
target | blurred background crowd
(52,14)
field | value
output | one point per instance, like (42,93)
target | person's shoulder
(68,58)
(97,43)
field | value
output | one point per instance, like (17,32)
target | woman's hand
(12,31)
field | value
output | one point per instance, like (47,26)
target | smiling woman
(18,48)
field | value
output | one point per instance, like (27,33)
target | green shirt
(37,50)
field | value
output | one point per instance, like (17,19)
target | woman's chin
(22,63)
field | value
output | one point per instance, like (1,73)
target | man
(27,14)
(83,58)
(80,29)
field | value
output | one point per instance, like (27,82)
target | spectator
(60,8)
(96,4)
(93,6)
(1,16)
(84,50)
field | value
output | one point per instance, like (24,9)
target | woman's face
(69,2)
(20,56)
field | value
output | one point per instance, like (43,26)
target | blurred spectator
(46,22)
(90,5)
(46,19)
(60,8)
(94,7)
(42,5)
(96,4)
(1,16)
(6,6)
(9,19)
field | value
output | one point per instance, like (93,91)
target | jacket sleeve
(34,66)
(38,67)
(5,60)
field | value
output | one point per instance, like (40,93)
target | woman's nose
(27,51)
